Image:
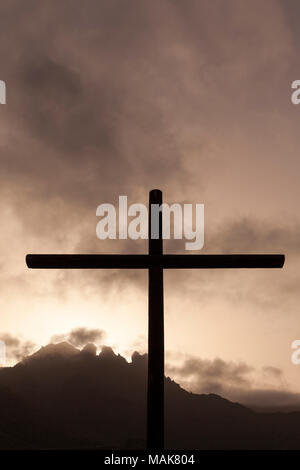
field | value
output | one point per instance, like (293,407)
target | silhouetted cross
(155,262)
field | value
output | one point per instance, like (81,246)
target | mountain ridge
(63,397)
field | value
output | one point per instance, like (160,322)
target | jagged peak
(138,358)
(107,351)
(63,349)
(89,349)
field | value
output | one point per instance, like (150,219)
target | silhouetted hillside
(61,397)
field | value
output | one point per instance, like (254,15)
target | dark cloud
(16,347)
(93,121)
(81,336)
(233,380)
(273,371)
(102,103)
(213,372)
(250,235)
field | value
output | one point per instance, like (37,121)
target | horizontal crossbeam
(153,261)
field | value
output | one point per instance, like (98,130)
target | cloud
(116,102)
(215,372)
(235,381)
(79,337)
(272,371)
(113,104)
(16,347)
(250,234)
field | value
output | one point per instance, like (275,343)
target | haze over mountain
(61,397)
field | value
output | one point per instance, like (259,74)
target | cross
(155,261)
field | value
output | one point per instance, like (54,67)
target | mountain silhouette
(64,398)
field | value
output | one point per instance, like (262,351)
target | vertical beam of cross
(155,402)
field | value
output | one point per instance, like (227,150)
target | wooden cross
(155,262)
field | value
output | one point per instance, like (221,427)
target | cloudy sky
(114,97)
